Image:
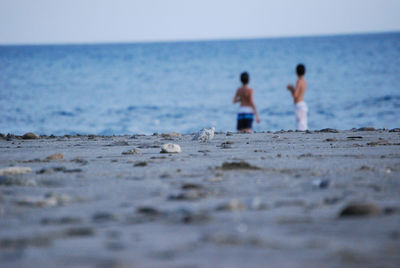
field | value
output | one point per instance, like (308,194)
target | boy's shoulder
(302,81)
(245,89)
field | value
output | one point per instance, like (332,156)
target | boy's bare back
(244,95)
(300,90)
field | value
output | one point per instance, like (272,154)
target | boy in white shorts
(300,106)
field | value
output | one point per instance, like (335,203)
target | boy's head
(244,77)
(300,69)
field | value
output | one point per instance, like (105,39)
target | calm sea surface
(161,87)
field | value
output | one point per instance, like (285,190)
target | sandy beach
(284,199)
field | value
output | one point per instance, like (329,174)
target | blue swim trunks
(245,121)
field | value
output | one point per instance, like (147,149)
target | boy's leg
(301,116)
(301,120)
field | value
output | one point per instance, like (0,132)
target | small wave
(64,113)
(382,100)
(145,107)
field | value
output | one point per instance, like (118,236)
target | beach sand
(283,199)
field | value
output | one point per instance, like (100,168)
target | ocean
(142,88)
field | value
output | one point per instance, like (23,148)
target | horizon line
(190,40)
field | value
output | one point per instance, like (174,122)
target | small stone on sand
(15,170)
(329,130)
(366,129)
(30,136)
(172,135)
(132,151)
(358,209)
(170,148)
(10,181)
(55,157)
(141,164)
(205,135)
(237,165)
(233,205)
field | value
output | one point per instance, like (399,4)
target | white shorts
(245,110)
(300,110)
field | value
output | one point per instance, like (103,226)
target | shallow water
(160,87)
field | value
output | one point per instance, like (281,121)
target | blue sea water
(353,81)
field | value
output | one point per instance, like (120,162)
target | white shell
(170,148)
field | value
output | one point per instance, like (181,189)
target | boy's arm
(254,106)
(236,98)
(291,88)
(295,91)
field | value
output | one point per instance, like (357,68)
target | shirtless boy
(247,109)
(300,106)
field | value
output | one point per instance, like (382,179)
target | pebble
(191,186)
(158,157)
(119,143)
(170,148)
(79,231)
(233,205)
(359,209)
(49,200)
(365,168)
(189,217)
(205,135)
(141,164)
(145,214)
(305,155)
(58,169)
(104,217)
(380,142)
(392,210)
(132,151)
(37,202)
(51,170)
(24,242)
(15,170)
(355,137)
(172,135)
(257,204)
(226,145)
(30,136)
(322,184)
(237,165)
(150,211)
(329,130)
(366,129)
(330,140)
(188,195)
(55,157)
(10,181)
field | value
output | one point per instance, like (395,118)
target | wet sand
(283,199)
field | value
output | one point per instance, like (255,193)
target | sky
(98,21)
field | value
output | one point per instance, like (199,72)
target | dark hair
(300,69)
(244,77)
